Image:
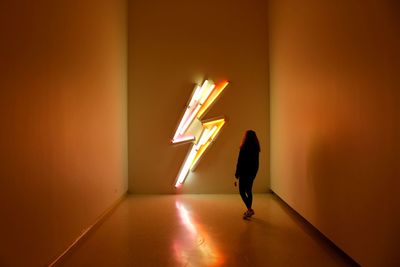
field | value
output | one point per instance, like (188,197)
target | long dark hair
(250,141)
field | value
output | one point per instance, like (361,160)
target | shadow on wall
(341,171)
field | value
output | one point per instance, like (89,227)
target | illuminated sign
(192,129)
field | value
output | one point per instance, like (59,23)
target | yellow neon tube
(208,141)
(217,91)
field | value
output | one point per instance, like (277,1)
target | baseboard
(89,229)
(315,230)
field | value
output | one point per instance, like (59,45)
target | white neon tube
(186,166)
(190,120)
(183,139)
(207,94)
(181,123)
(195,96)
(211,132)
(203,137)
(202,89)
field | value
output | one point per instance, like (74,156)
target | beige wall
(63,122)
(335,94)
(172,45)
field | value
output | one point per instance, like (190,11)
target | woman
(246,169)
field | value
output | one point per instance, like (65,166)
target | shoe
(246,215)
(250,212)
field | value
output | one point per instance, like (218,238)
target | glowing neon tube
(200,102)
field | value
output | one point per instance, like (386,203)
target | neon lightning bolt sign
(200,133)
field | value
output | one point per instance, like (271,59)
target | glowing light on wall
(203,97)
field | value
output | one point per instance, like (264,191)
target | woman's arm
(239,164)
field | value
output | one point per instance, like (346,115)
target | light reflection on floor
(201,230)
(196,248)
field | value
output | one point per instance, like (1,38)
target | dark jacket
(247,164)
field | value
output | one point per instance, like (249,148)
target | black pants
(245,190)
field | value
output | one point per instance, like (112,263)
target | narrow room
(199,133)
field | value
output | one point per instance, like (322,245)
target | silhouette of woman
(246,169)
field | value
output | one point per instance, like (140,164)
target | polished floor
(202,230)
